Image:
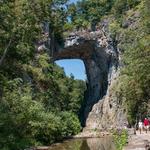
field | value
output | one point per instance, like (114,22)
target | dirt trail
(139,141)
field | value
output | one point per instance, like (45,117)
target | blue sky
(74,66)
(74,1)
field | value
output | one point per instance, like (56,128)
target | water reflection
(101,143)
(86,144)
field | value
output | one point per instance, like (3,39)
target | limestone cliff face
(101,59)
(107,113)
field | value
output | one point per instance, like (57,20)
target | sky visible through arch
(74,66)
(73,1)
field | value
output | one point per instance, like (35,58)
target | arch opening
(73,67)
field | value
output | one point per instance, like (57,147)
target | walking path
(139,141)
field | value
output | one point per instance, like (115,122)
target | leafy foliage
(38,103)
(120,138)
(135,76)
(87,13)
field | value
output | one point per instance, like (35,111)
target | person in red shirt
(149,124)
(146,124)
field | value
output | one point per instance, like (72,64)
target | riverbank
(116,138)
(88,135)
(138,141)
(105,143)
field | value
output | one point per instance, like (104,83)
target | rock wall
(107,113)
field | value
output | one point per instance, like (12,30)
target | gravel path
(139,141)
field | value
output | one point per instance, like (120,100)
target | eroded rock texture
(101,60)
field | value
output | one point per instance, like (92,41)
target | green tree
(135,74)
(31,87)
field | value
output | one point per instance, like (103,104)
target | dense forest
(39,104)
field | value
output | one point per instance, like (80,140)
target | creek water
(105,143)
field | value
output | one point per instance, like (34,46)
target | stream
(105,143)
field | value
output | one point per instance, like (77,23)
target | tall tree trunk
(5,52)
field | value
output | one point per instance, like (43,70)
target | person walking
(146,124)
(149,124)
(140,126)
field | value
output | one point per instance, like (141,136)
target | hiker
(149,124)
(125,125)
(140,126)
(146,124)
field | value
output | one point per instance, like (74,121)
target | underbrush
(120,137)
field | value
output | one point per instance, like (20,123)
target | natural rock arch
(98,55)
(100,58)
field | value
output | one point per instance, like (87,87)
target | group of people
(145,125)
